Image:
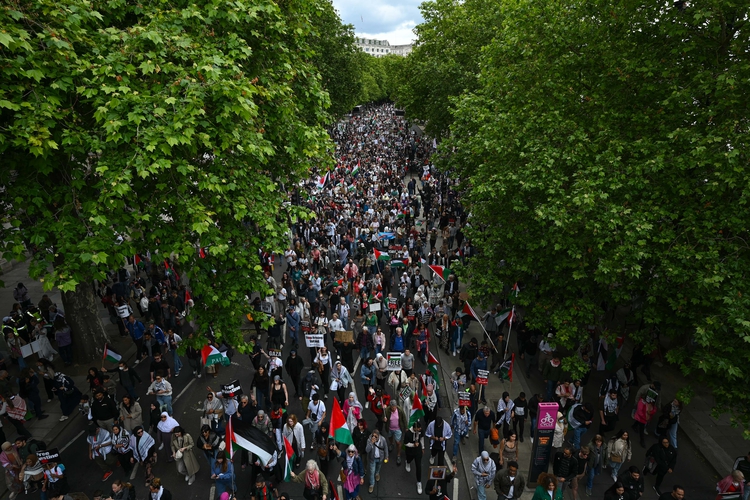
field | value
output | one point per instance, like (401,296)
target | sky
(391,20)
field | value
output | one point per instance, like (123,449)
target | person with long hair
(619,451)
(11,461)
(316,484)
(210,443)
(32,473)
(615,492)
(295,434)
(222,473)
(183,451)
(46,371)
(546,488)
(121,491)
(131,414)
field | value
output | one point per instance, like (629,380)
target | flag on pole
(438,270)
(432,364)
(110,355)
(381,255)
(511,317)
(212,356)
(169,269)
(288,456)
(355,170)
(136,259)
(188,297)
(502,316)
(243,434)
(514,291)
(322,181)
(386,236)
(506,369)
(422,260)
(202,253)
(417,411)
(399,262)
(468,310)
(338,429)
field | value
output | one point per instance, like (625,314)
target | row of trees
(164,126)
(603,152)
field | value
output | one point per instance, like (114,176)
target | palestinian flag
(432,364)
(511,317)
(288,457)
(355,170)
(438,270)
(212,356)
(381,255)
(242,434)
(506,369)
(468,310)
(514,291)
(110,355)
(422,260)
(188,297)
(351,188)
(399,262)
(136,259)
(171,270)
(338,429)
(320,184)
(417,411)
(502,315)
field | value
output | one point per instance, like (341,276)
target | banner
(315,340)
(48,456)
(394,361)
(231,389)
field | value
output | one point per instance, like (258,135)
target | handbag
(342,474)
(178,455)
(322,451)
(613,457)
(494,435)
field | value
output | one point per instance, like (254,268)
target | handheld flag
(288,456)
(438,270)
(212,356)
(338,429)
(506,369)
(468,310)
(417,411)
(110,355)
(433,363)
(322,181)
(381,255)
(242,434)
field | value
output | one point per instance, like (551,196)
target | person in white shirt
(343,312)
(335,325)
(316,414)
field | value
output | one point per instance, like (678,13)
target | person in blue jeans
(222,472)
(377,455)
(596,457)
(533,411)
(460,423)
(483,420)
(580,418)
(173,342)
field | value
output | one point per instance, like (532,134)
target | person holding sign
(54,477)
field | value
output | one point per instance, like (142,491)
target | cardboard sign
(231,389)
(482,376)
(344,336)
(274,353)
(48,456)
(464,399)
(405,393)
(394,361)
(374,307)
(315,340)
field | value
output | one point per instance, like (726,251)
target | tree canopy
(603,153)
(161,126)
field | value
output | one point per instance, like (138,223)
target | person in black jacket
(104,409)
(413,438)
(128,377)
(633,482)
(565,466)
(468,353)
(294,367)
(664,457)
(158,491)
(520,414)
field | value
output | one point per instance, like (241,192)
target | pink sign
(547,416)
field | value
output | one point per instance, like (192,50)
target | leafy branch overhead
(163,126)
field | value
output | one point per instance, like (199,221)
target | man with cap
(509,484)
(414,444)
(484,471)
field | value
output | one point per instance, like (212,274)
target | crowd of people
(354,285)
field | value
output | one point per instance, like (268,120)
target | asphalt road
(84,475)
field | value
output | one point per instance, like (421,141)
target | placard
(438,473)
(315,340)
(405,393)
(305,326)
(231,389)
(48,456)
(274,353)
(344,336)
(266,307)
(394,361)
(464,399)
(32,348)
(374,307)
(482,376)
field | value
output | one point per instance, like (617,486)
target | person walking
(121,447)
(395,420)
(157,491)
(484,421)
(316,484)
(509,483)
(183,451)
(144,452)
(596,460)
(414,444)
(460,424)
(131,414)
(100,449)
(439,432)
(565,466)
(484,471)
(547,488)
(661,459)
(222,473)
(377,454)
(163,392)
(618,452)
(164,428)
(353,471)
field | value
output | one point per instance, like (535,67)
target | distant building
(380,48)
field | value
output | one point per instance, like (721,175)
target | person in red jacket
(378,403)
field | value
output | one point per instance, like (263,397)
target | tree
(445,59)
(604,156)
(336,56)
(164,126)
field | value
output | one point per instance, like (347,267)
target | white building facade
(380,48)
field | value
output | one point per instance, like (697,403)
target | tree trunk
(82,315)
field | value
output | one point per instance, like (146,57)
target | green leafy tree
(604,153)
(164,126)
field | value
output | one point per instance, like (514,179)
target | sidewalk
(49,429)
(716,440)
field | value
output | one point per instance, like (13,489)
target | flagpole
(510,328)
(483,329)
